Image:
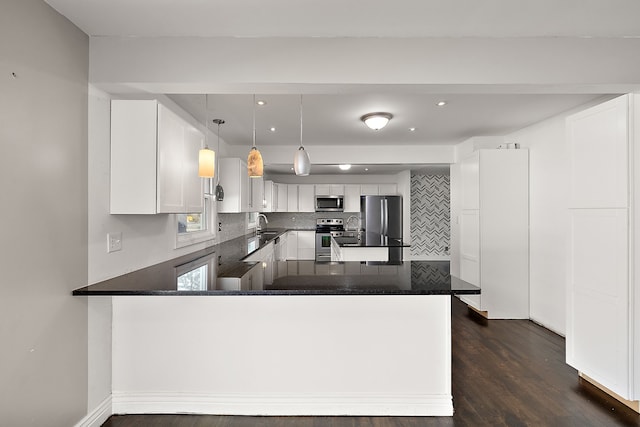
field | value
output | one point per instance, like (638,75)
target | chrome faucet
(357,218)
(266,221)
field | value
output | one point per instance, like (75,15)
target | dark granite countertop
(369,240)
(218,269)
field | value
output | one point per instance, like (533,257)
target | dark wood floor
(505,373)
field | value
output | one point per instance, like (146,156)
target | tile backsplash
(430,216)
(303,220)
(232,225)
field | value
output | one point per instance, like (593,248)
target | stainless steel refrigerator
(382,222)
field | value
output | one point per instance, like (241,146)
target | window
(194,280)
(195,228)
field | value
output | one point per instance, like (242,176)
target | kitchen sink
(347,241)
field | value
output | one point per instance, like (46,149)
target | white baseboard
(99,415)
(282,405)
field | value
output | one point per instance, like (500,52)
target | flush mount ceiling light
(301,161)
(345,167)
(376,121)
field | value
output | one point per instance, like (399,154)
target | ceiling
(334,119)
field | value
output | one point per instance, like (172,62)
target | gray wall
(43,188)
(430,216)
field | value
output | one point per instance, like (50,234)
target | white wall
(43,182)
(548,218)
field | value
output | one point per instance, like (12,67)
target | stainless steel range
(326,228)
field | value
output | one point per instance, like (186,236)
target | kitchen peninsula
(306,338)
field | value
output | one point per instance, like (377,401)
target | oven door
(323,247)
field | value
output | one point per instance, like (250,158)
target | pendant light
(301,161)
(206,156)
(219,192)
(255,166)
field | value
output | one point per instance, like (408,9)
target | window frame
(194,237)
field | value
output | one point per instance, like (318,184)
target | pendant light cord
(300,120)
(254,121)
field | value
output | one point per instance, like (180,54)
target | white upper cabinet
(387,189)
(281,198)
(154,160)
(292,198)
(598,155)
(351,198)
(306,198)
(268,199)
(379,189)
(330,189)
(255,198)
(369,189)
(235,181)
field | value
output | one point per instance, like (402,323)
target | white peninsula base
(283,355)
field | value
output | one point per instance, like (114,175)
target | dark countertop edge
(373,245)
(277,292)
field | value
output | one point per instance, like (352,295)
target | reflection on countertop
(220,270)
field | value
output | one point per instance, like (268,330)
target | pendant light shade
(301,161)
(206,163)
(255,165)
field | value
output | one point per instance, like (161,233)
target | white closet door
(597,325)
(598,152)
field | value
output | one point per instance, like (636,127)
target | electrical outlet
(114,242)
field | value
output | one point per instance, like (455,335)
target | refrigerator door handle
(381,216)
(386,217)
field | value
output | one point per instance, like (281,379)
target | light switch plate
(114,242)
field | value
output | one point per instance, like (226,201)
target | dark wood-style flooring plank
(504,373)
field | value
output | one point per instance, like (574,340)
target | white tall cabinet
(494,231)
(602,327)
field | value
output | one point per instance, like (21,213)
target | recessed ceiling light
(291,168)
(412,129)
(366,169)
(272,129)
(441,103)
(345,167)
(261,102)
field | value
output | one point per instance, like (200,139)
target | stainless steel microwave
(329,203)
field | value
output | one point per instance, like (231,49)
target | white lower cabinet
(292,245)
(301,245)
(306,245)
